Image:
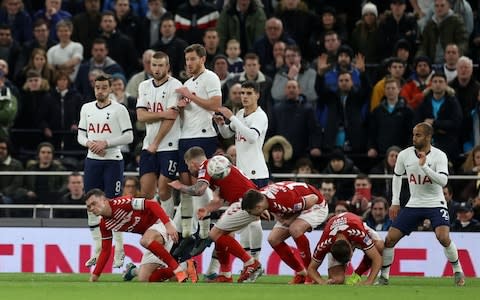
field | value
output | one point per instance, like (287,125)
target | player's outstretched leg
(130,272)
(119,257)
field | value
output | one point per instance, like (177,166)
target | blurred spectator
(412,91)
(39,62)
(131,186)
(13,14)
(470,188)
(263,47)
(294,118)
(445,27)
(298,70)
(377,217)
(396,68)
(403,50)
(9,48)
(52,14)
(391,123)
(8,107)
(361,199)
(329,191)
(11,186)
(132,85)
(243,20)
(73,196)
(441,109)
(235,62)
(151,22)
(341,207)
(304,166)
(129,23)
(173,46)
(139,7)
(476,207)
(99,61)
(44,189)
(67,55)
(220,67)
(133,165)
(339,164)
(465,221)
(211,42)
(120,46)
(278,154)
(452,205)
(192,18)
(278,59)
(234,100)
(85,26)
(449,64)
(423,11)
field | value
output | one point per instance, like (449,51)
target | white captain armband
(138,203)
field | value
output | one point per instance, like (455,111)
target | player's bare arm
(310,200)
(213,205)
(172,232)
(376,259)
(211,104)
(313,273)
(151,117)
(162,132)
(197,189)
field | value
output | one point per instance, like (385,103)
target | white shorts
(314,216)
(235,218)
(150,258)
(332,262)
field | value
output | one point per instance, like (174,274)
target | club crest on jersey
(99,128)
(419,179)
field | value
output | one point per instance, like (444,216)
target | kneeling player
(341,235)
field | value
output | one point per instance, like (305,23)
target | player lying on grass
(340,236)
(298,208)
(138,215)
(229,188)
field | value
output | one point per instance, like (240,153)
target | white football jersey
(155,99)
(197,122)
(105,123)
(423,191)
(250,157)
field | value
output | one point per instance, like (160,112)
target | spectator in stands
(329,191)
(397,25)
(412,91)
(442,110)
(235,62)
(129,23)
(341,207)
(139,7)
(331,45)
(9,48)
(172,45)
(449,65)
(242,20)
(234,100)
(99,61)
(339,164)
(403,50)
(211,43)
(295,69)
(278,59)
(151,22)
(343,116)
(8,106)
(445,27)
(263,47)
(470,188)
(476,207)
(67,55)
(377,217)
(452,205)
(192,18)
(85,25)
(52,14)
(304,166)
(13,14)
(131,186)
(74,196)
(40,40)
(465,221)
(220,67)
(11,187)
(44,189)
(422,10)
(252,73)
(132,85)
(294,119)
(396,68)
(362,197)
(278,152)
(391,123)
(38,62)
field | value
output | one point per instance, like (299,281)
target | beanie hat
(370,8)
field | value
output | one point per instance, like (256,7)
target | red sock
(230,245)
(286,254)
(303,246)
(224,260)
(160,251)
(161,274)
(364,265)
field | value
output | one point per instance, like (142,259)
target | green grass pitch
(15,286)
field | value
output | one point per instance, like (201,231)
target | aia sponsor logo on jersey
(155,107)
(419,179)
(99,128)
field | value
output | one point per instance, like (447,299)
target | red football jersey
(351,226)
(288,197)
(232,187)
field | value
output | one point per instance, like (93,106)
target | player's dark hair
(197,48)
(250,84)
(104,77)
(341,251)
(427,128)
(193,153)
(250,199)
(93,192)
(160,55)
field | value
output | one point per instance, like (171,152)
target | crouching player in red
(138,215)
(298,208)
(341,235)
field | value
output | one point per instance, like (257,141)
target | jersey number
(445,214)
(172,166)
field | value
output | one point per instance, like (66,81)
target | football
(218,167)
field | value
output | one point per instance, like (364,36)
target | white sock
(213,267)
(92,220)
(451,253)
(226,274)
(97,241)
(168,206)
(387,262)
(187,212)
(198,202)
(255,237)
(118,240)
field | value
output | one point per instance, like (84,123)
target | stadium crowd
(342,84)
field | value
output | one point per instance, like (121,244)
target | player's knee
(273,241)
(143,277)
(389,242)
(295,231)
(164,195)
(444,239)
